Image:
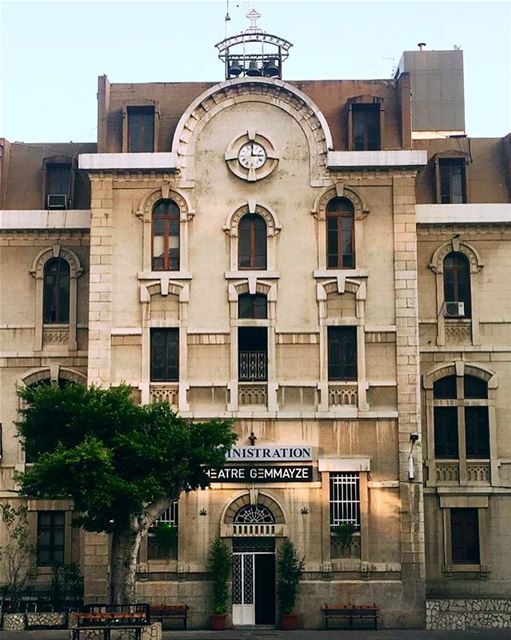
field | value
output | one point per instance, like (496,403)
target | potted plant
(343,535)
(220,567)
(289,571)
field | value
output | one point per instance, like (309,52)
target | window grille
(345,499)
(170,515)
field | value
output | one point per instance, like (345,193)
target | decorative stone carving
(165,393)
(478,472)
(345,395)
(447,472)
(253,395)
(458,333)
(58,336)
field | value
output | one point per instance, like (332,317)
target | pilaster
(408,391)
(100,286)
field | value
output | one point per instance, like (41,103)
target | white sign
(269,454)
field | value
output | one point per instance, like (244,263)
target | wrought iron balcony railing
(252,366)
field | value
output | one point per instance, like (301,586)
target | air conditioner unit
(454,309)
(57,201)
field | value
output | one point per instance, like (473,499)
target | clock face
(252,155)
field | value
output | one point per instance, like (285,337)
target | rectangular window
(446,432)
(140,129)
(162,536)
(252,354)
(342,353)
(452,181)
(345,499)
(476,432)
(366,127)
(465,536)
(164,355)
(50,538)
(58,185)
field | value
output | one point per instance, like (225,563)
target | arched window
(252,306)
(340,217)
(56,291)
(252,250)
(165,236)
(254,514)
(461,412)
(457,285)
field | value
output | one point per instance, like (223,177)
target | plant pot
(218,621)
(289,622)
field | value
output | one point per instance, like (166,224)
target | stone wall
(468,613)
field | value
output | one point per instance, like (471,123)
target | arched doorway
(253,567)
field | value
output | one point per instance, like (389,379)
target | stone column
(408,395)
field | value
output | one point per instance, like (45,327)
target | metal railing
(252,366)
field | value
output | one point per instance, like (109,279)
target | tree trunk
(125,548)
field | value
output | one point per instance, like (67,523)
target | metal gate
(243,588)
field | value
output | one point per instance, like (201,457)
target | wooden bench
(352,616)
(104,618)
(165,612)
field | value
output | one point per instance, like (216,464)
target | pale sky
(53,52)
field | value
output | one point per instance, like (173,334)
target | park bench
(166,612)
(104,618)
(352,616)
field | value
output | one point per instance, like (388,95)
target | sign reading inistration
(287,473)
(269,454)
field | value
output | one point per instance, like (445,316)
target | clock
(251,156)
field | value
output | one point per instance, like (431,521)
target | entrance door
(253,588)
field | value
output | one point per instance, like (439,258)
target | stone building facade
(297,257)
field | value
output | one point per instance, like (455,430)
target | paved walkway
(275,634)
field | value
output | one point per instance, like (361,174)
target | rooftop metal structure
(253,52)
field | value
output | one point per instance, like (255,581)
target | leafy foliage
(344,534)
(220,567)
(112,456)
(289,571)
(165,537)
(66,584)
(15,555)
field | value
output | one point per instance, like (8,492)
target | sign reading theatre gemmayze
(269,454)
(286,473)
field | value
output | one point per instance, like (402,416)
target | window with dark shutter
(452,180)
(465,536)
(252,306)
(457,281)
(164,355)
(165,236)
(252,250)
(342,353)
(56,291)
(366,127)
(50,538)
(340,218)
(140,129)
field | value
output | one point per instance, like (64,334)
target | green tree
(289,571)
(122,463)
(16,553)
(219,563)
